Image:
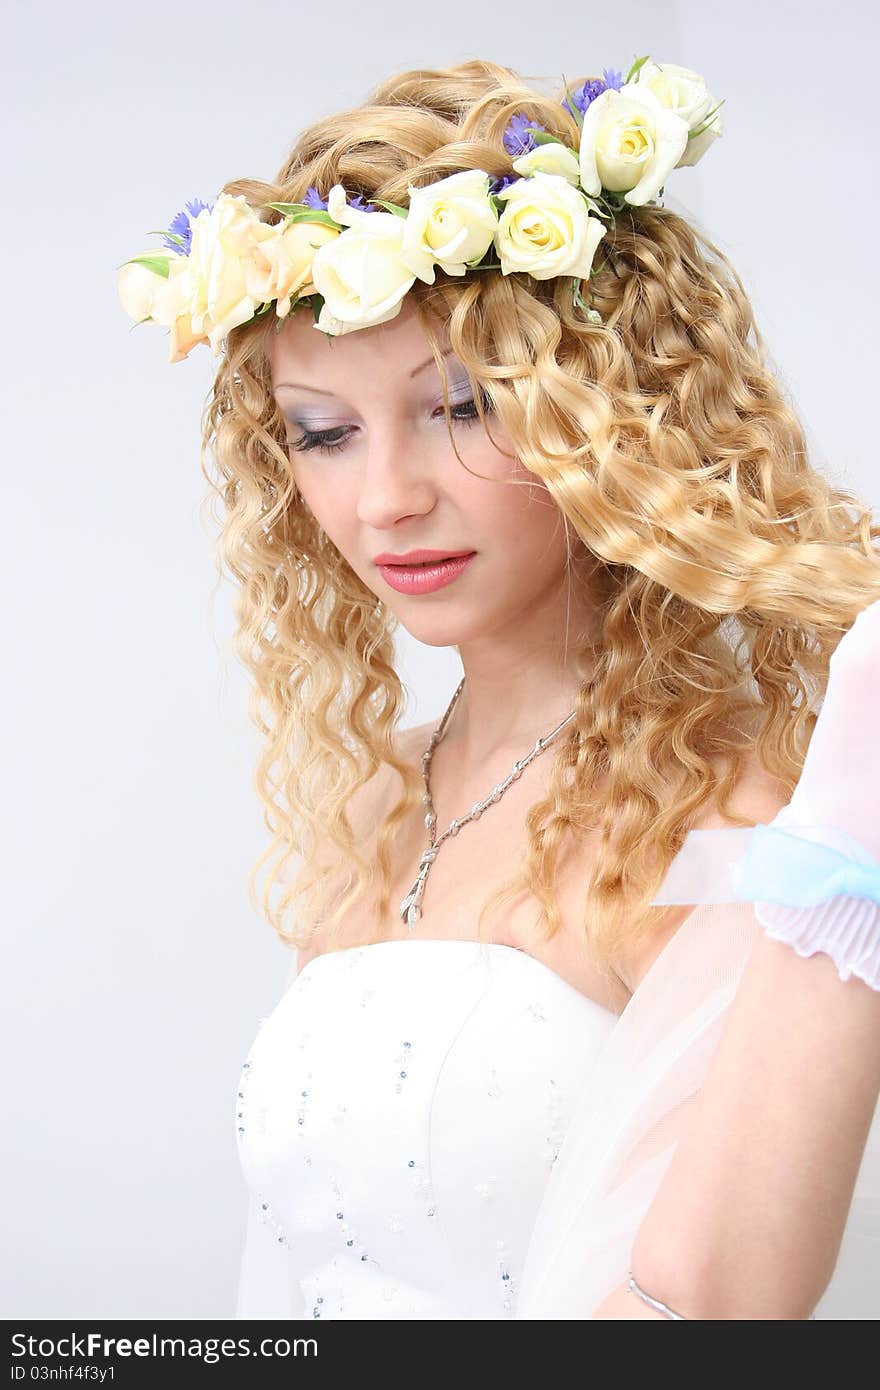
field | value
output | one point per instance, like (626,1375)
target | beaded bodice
(398,1116)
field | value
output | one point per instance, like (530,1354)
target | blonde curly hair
(725,567)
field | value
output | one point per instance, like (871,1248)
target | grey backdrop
(136,971)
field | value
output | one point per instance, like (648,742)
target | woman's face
(387,480)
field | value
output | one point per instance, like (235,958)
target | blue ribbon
(766,863)
(782,867)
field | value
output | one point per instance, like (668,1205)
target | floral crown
(222,266)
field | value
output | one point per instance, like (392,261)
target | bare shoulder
(757,795)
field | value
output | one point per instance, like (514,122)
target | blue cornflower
(517,137)
(314,200)
(182,227)
(500,182)
(594,87)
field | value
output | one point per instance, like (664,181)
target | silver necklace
(410,908)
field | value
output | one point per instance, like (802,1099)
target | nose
(396,481)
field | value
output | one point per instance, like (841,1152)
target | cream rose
(546,229)
(150,295)
(171,308)
(361,274)
(449,223)
(685,92)
(279,266)
(629,143)
(550,158)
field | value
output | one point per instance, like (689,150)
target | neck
(524,676)
(505,706)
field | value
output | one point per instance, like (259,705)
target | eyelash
(320,439)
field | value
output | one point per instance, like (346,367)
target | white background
(136,971)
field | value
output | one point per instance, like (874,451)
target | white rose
(214,285)
(546,229)
(449,223)
(685,92)
(361,275)
(629,143)
(550,158)
(204,294)
(137,284)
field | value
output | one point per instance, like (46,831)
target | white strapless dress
(398,1117)
(448,1129)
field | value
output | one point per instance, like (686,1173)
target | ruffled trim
(814,887)
(846,929)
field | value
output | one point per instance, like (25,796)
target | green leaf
(390,207)
(544,137)
(290,207)
(592,204)
(698,130)
(172,236)
(317,305)
(636,68)
(158,264)
(579,302)
(301,212)
(573,108)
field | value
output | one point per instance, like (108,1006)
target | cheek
(327,505)
(523,517)
(336,515)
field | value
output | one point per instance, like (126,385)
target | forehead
(301,352)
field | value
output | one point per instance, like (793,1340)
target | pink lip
(424,579)
(415,557)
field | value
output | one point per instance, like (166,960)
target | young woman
(511,1078)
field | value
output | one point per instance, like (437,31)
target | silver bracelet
(652,1302)
(664,1307)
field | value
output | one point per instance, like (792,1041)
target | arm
(748,1220)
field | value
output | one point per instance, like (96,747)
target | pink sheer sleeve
(634,1105)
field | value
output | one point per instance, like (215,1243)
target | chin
(444,630)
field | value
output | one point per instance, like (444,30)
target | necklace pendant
(410,910)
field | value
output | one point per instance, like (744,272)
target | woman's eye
(471,407)
(328,441)
(318,439)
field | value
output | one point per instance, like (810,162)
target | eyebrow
(319,392)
